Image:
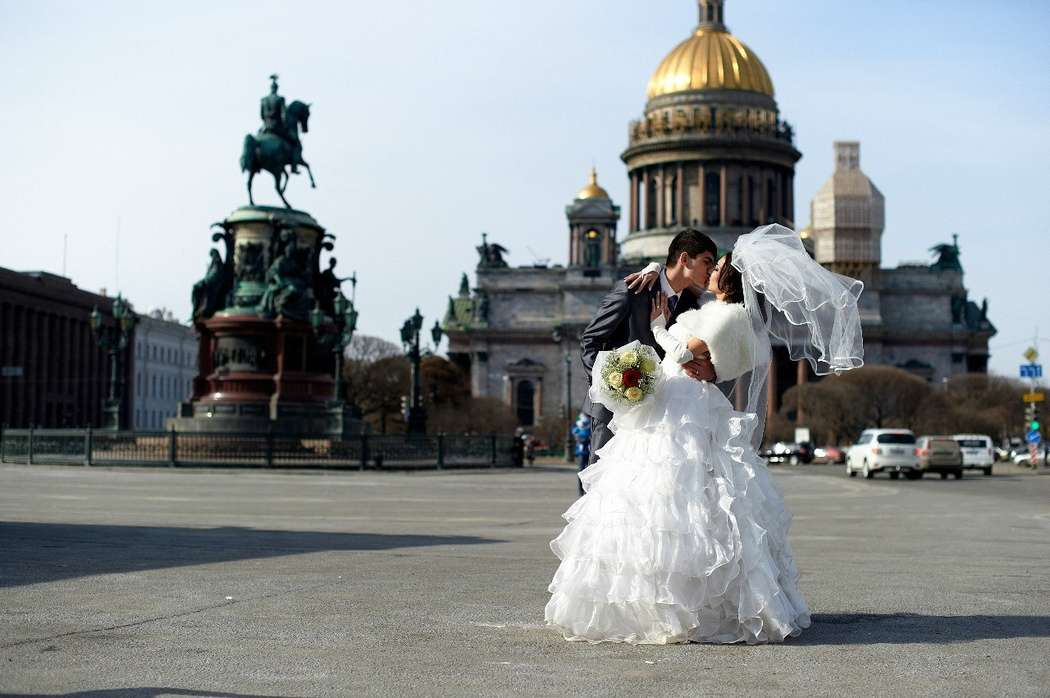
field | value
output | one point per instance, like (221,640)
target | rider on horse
(272,111)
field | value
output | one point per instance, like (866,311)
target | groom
(623,316)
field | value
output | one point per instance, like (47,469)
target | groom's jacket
(622,317)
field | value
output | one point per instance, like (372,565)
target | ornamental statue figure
(277,144)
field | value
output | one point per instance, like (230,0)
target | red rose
(631,378)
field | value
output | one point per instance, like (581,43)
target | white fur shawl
(727,330)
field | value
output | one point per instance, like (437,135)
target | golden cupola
(710,59)
(711,150)
(592,190)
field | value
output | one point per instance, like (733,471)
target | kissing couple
(680,534)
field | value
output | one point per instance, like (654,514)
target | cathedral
(711,151)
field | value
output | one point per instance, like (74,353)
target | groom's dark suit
(622,317)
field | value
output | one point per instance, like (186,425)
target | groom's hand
(700,369)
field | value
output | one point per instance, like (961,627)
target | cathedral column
(680,184)
(722,198)
(659,191)
(763,199)
(644,204)
(633,224)
(703,195)
(790,192)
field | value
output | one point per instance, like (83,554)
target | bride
(682,533)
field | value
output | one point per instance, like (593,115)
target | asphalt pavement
(153,582)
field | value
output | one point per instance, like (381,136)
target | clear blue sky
(433,121)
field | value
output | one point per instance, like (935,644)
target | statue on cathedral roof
(490,255)
(947,256)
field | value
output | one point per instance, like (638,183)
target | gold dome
(592,190)
(710,59)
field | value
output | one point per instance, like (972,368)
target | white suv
(977,452)
(884,450)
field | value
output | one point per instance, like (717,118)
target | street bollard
(172,449)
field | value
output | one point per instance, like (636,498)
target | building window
(712,198)
(525,399)
(733,201)
(592,250)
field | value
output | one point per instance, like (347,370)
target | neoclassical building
(165,362)
(711,151)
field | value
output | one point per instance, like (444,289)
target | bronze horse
(272,153)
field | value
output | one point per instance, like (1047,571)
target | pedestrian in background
(581,431)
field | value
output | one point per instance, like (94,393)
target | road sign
(1034,397)
(1033,437)
(1031,370)
(1031,354)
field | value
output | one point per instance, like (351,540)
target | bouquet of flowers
(627,375)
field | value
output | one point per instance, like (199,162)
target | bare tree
(368,349)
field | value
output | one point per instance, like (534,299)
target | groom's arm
(612,311)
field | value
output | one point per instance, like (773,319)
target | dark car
(784,452)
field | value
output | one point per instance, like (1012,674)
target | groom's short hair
(692,242)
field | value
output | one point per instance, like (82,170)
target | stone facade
(517,331)
(52,372)
(710,152)
(916,316)
(165,361)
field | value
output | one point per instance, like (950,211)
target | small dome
(592,190)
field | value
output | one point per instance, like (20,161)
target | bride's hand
(639,281)
(659,307)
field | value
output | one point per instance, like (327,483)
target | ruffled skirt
(681,536)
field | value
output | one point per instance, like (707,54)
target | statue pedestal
(258,373)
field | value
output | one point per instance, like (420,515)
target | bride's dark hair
(730,280)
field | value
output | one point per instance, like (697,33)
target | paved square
(433,583)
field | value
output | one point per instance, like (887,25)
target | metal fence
(253,450)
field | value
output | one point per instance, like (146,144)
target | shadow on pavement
(903,628)
(143,692)
(45,552)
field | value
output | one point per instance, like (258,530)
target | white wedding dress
(682,533)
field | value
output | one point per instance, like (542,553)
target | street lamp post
(570,440)
(417,417)
(114,339)
(338,333)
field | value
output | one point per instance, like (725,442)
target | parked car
(1023,456)
(784,452)
(829,454)
(884,450)
(940,454)
(978,453)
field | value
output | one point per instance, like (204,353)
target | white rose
(616,379)
(629,358)
(634,394)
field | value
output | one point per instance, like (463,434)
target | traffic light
(1031,415)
